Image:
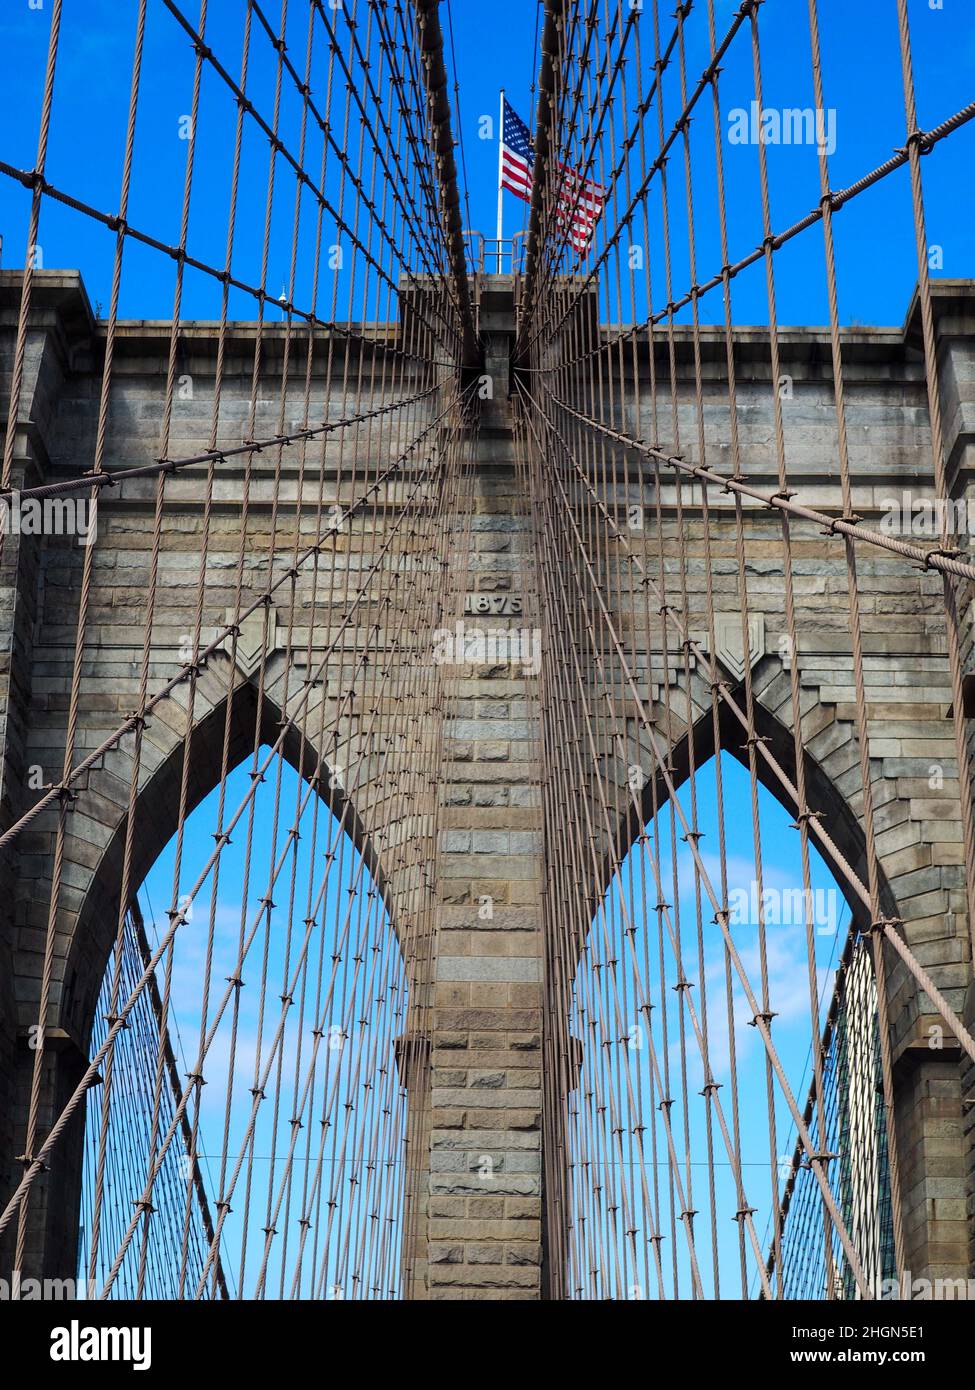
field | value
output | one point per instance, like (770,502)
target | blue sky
(493,45)
(347,981)
(786,954)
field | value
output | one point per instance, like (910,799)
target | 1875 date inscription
(493,605)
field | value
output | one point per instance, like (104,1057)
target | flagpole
(500,169)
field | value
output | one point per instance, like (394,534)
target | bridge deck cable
(373,427)
(634,695)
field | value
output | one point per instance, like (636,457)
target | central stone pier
(482,1235)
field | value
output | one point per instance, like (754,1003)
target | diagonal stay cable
(63,787)
(99,478)
(886,928)
(178,917)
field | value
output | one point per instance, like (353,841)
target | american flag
(580,201)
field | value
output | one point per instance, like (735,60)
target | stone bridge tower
(479,1096)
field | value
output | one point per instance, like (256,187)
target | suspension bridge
(486,802)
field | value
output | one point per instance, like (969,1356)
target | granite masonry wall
(479,1206)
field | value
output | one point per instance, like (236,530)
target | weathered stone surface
(478,1235)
